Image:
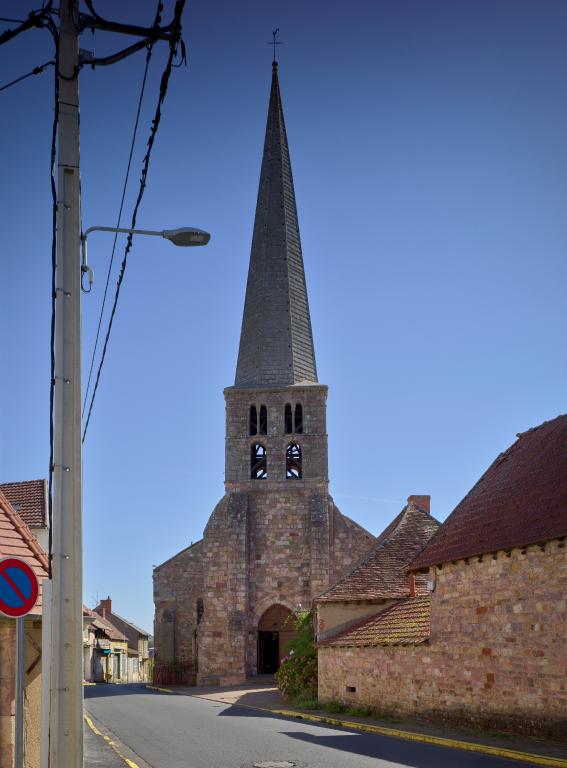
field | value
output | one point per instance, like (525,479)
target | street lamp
(184,237)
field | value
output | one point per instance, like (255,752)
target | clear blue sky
(429,150)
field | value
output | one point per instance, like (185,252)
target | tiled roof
(521,499)
(29,499)
(382,573)
(16,540)
(119,619)
(405,623)
(112,632)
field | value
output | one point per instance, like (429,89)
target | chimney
(106,606)
(411,582)
(423,502)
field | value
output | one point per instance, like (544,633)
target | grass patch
(304,703)
(362,711)
(334,707)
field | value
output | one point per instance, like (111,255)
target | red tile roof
(521,499)
(105,625)
(382,573)
(405,623)
(16,540)
(29,499)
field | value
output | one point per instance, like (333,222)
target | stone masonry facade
(275,541)
(496,656)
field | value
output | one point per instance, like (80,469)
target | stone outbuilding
(276,539)
(487,644)
(380,580)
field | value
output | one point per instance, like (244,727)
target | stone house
(17,540)
(380,580)
(276,539)
(137,639)
(29,498)
(105,650)
(487,645)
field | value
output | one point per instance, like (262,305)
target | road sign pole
(66,689)
(19,735)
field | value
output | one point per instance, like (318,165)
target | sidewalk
(265,696)
(98,754)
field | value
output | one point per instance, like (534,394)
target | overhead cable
(35,71)
(174,44)
(119,219)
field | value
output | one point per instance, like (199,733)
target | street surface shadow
(102,690)
(400,752)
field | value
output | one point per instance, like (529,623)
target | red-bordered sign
(19,587)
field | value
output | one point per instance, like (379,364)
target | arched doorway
(275,630)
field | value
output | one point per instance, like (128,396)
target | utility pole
(66,675)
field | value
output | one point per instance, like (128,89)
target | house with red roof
(486,643)
(17,540)
(29,498)
(105,650)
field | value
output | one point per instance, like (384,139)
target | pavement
(263,694)
(238,726)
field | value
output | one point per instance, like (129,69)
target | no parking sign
(19,587)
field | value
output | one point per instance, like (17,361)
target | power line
(174,43)
(148,57)
(34,71)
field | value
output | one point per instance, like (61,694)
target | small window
(288,420)
(293,461)
(299,419)
(200,609)
(263,420)
(258,462)
(253,420)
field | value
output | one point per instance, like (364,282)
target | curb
(468,746)
(95,730)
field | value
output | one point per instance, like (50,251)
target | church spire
(276,342)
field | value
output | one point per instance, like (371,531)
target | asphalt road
(170,731)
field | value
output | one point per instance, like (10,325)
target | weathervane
(275,42)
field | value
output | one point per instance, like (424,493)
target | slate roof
(405,623)
(382,573)
(521,499)
(276,341)
(29,499)
(16,540)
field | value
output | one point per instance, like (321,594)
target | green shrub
(297,675)
(335,707)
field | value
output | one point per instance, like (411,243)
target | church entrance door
(275,630)
(268,652)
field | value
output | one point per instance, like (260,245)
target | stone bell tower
(276,539)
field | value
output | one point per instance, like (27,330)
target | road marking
(95,730)
(468,746)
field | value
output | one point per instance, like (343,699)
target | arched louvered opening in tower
(298,419)
(293,462)
(253,421)
(288,419)
(263,427)
(258,462)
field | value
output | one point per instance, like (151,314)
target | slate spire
(276,341)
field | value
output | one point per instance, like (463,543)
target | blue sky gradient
(429,149)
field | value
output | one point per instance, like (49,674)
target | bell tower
(276,410)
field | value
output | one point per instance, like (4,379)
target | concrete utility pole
(66,676)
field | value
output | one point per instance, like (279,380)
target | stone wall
(497,655)
(32,695)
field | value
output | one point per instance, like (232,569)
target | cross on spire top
(274,43)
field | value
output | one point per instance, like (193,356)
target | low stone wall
(497,655)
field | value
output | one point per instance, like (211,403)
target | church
(276,539)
